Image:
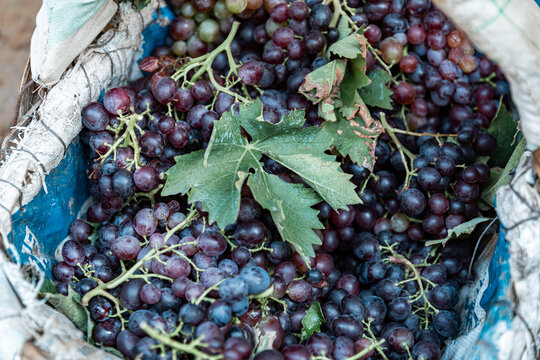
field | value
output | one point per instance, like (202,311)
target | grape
(295,352)
(426,350)
(256,278)
(373,34)
(233,289)
(251,72)
(125,343)
(129,296)
(182,28)
(299,290)
(320,17)
(392,50)
(320,344)
(283,36)
(72,253)
(146,178)
(211,243)
(100,308)
(314,42)
(345,325)
(404,93)
(236,6)
(343,348)
(241,255)
(115,100)
(95,117)
(144,348)
(298,10)
(445,323)
(123,184)
(400,339)
(105,332)
(125,247)
(208,30)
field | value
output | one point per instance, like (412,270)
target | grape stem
(129,137)
(152,254)
(428,307)
(402,149)
(190,348)
(375,343)
(204,63)
(207,291)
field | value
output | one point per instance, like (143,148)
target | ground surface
(17,22)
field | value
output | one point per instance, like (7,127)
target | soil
(17,23)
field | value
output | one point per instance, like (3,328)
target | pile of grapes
(161,281)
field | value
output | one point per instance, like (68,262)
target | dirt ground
(17,23)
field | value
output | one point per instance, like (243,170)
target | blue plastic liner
(41,225)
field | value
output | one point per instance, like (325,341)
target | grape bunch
(162,282)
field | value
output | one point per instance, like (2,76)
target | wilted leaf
(355,139)
(349,47)
(312,320)
(463,229)
(69,305)
(377,93)
(324,82)
(343,27)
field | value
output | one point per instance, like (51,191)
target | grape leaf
(321,86)
(290,207)
(215,176)
(312,320)
(501,178)
(355,138)
(463,229)
(69,305)
(343,27)
(503,127)
(349,47)
(377,93)
(350,103)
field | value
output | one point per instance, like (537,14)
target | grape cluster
(160,281)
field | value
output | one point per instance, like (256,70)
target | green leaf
(349,47)
(504,128)
(215,176)
(322,86)
(69,305)
(355,139)
(290,207)
(377,93)
(312,320)
(325,177)
(343,27)
(463,229)
(502,177)
(113,351)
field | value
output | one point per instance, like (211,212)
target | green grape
(188,10)
(179,48)
(208,30)
(220,11)
(200,17)
(271,26)
(236,6)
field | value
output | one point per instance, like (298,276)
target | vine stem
(398,259)
(154,253)
(190,348)
(129,122)
(204,63)
(207,291)
(402,149)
